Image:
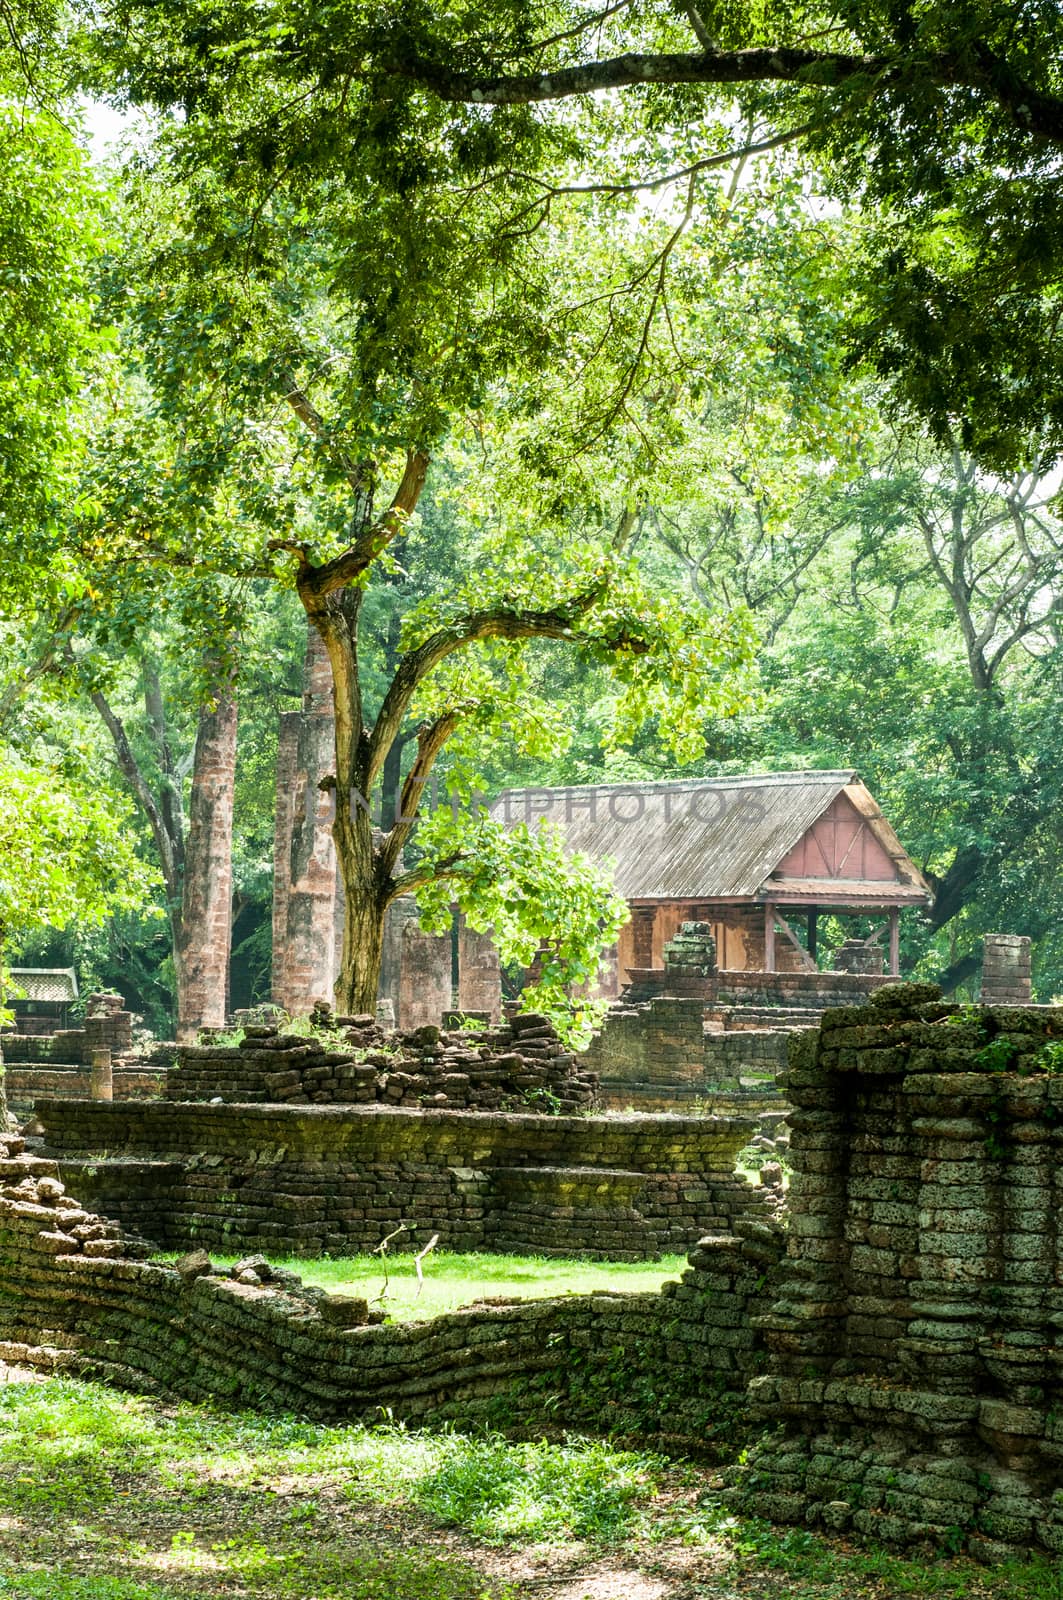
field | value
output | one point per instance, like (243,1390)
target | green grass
(108,1497)
(453,1280)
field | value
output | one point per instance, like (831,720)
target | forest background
(634,359)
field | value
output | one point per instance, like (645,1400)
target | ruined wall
(659,1056)
(107,1026)
(425,977)
(324,1179)
(914,1339)
(25,1085)
(58,1065)
(904,1351)
(816,990)
(520,1063)
(479,988)
(77,1295)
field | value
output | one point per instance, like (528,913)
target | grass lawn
(108,1497)
(460,1280)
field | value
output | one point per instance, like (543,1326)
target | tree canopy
(553,363)
(944,122)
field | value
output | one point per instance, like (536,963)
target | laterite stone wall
(329,1179)
(352,1061)
(914,1339)
(78,1295)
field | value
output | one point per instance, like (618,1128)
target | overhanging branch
(979,68)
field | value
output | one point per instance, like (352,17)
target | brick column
(479,977)
(424,981)
(305,951)
(1005,970)
(201,951)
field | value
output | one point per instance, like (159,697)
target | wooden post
(101,1082)
(769,938)
(895,942)
(813,933)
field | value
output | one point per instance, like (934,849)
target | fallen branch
(433,1241)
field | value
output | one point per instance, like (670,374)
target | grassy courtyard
(108,1497)
(450,1280)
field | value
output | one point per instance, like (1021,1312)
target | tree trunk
(956,886)
(366,907)
(203,934)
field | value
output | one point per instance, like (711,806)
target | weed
(998,1055)
(225,1039)
(543,1100)
(499,1491)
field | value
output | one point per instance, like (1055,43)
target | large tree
(539,409)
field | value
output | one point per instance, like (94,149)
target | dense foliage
(550,408)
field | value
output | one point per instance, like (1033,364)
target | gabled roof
(46,983)
(707,838)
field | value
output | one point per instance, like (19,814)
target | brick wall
(1006,966)
(304,1181)
(77,1295)
(25,1085)
(517,1063)
(107,1026)
(914,1338)
(904,1352)
(658,1054)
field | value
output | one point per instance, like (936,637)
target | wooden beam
(895,943)
(807,963)
(812,935)
(769,938)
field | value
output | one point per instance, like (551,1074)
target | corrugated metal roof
(711,838)
(46,983)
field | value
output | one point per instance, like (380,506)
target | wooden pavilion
(747,855)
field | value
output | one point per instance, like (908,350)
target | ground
(110,1497)
(449,1280)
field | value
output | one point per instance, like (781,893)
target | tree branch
(431,739)
(17,687)
(358,474)
(978,68)
(497,622)
(417,877)
(130,769)
(315,584)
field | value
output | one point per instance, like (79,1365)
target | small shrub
(1050,1058)
(998,1055)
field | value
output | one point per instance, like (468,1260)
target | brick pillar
(283,818)
(201,952)
(424,982)
(1005,970)
(108,1026)
(479,977)
(304,891)
(690,961)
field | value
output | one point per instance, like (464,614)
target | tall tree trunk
(366,898)
(203,933)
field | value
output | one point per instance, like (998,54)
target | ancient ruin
(896,1335)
